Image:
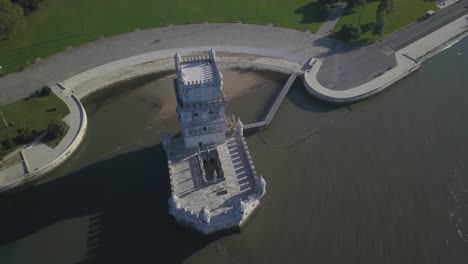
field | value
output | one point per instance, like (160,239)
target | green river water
(381,181)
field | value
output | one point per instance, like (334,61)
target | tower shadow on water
(125,199)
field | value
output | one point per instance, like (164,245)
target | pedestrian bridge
(274,107)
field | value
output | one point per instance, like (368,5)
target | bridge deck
(275,106)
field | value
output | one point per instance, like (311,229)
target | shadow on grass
(310,13)
(32,95)
(125,199)
(366,27)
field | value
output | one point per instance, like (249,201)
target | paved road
(423,26)
(290,44)
(347,67)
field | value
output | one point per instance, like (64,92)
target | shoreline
(79,86)
(39,159)
(92,85)
(409,59)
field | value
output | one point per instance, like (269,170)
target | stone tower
(200,100)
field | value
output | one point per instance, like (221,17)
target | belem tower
(214,185)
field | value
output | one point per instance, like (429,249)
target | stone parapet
(408,59)
(230,214)
(68,145)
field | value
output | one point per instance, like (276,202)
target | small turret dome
(174,201)
(260,186)
(241,206)
(204,215)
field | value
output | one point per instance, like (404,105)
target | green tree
(385,5)
(28,5)
(327,2)
(325,11)
(379,24)
(24,134)
(7,143)
(10,15)
(351,3)
(56,129)
(361,3)
(350,31)
(45,90)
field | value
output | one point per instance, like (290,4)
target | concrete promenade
(85,69)
(408,60)
(37,158)
(346,67)
(287,44)
(102,76)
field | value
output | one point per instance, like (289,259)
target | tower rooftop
(197,71)
(198,79)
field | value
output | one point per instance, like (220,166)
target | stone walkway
(332,19)
(275,42)
(38,158)
(97,64)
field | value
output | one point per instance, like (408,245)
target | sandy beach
(161,95)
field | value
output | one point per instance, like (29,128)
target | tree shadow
(125,199)
(32,95)
(310,13)
(366,27)
(335,46)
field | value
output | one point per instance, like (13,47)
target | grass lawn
(62,23)
(33,112)
(404,13)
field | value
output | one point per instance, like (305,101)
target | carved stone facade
(200,100)
(214,185)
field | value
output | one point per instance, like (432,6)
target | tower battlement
(200,100)
(198,78)
(214,184)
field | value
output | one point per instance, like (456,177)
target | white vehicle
(312,62)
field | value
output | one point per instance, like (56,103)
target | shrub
(379,24)
(351,3)
(45,90)
(56,129)
(325,11)
(348,10)
(10,15)
(7,143)
(24,134)
(350,31)
(327,2)
(28,5)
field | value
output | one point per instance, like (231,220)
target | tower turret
(201,104)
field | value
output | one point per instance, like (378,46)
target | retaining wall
(78,138)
